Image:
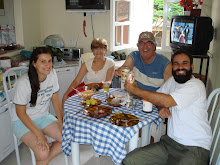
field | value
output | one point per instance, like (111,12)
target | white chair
(85,57)
(9,77)
(218,159)
(213,98)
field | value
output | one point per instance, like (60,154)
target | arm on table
(110,74)
(158,99)
(75,82)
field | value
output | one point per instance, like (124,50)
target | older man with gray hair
(150,69)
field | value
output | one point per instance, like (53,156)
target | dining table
(105,138)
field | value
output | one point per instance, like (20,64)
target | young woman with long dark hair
(31,119)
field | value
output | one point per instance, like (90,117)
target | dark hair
(181,51)
(32,72)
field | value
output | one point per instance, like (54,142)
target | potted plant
(56,53)
(116,55)
(123,56)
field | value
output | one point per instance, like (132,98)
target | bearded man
(181,99)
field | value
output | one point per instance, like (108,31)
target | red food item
(78,87)
(84,28)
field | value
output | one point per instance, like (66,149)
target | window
(121,24)
(131,17)
(128,19)
(163,10)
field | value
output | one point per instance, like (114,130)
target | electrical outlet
(71,41)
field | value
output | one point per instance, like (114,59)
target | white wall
(69,25)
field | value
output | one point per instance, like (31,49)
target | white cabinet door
(6,136)
(65,77)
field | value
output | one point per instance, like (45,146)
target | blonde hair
(99,43)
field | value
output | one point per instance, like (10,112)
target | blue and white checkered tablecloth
(106,138)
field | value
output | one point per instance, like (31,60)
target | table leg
(133,143)
(145,135)
(75,153)
(66,160)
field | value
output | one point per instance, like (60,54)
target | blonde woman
(95,70)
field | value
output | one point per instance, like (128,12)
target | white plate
(119,94)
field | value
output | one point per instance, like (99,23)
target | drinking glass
(106,86)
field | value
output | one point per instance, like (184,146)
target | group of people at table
(178,95)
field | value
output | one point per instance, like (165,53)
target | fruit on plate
(91,101)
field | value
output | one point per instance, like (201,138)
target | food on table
(86,93)
(97,111)
(123,119)
(115,101)
(95,86)
(91,101)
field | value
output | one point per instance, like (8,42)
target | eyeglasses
(103,49)
(148,43)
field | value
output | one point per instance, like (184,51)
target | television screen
(191,33)
(87,5)
(182,32)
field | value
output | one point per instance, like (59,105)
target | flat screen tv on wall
(87,5)
(191,33)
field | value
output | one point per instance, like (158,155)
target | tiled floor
(86,156)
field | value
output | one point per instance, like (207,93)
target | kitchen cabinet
(6,138)
(65,77)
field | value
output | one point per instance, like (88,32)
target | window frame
(165,24)
(114,24)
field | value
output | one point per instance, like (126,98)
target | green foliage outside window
(173,9)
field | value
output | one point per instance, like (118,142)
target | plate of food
(95,86)
(85,92)
(123,119)
(115,101)
(97,111)
(91,101)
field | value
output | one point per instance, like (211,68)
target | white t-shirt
(97,76)
(22,95)
(188,124)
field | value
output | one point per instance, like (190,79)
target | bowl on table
(85,92)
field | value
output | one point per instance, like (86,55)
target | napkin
(74,92)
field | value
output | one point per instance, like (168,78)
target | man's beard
(182,78)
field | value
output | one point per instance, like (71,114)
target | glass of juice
(106,86)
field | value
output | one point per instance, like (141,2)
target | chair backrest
(214,98)
(9,78)
(85,57)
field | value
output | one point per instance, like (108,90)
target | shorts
(19,129)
